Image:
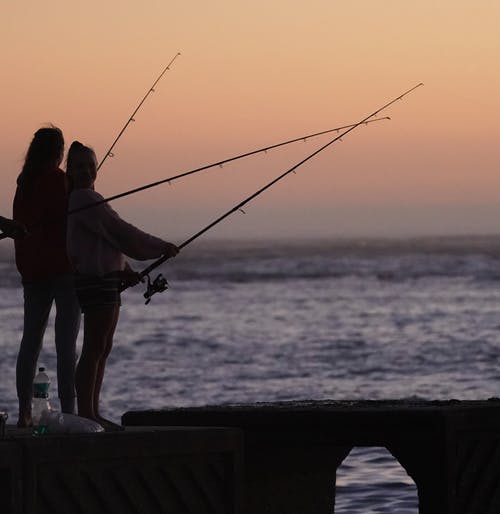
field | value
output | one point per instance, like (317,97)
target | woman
(41,202)
(98,240)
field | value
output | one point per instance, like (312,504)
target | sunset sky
(255,73)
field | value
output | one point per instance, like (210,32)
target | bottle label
(41,390)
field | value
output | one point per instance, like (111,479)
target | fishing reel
(158,285)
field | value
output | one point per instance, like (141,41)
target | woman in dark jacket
(41,202)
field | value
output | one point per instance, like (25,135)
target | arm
(12,228)
(127,238)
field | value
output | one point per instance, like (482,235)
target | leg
(37,303)
(99,326)
(102,364)
(67,325)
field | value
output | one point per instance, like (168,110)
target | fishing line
(160,284)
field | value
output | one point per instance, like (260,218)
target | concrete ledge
(451,449)
(10,477)
(137,471)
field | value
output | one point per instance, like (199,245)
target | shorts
(94,291)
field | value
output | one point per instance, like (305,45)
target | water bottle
(40,399)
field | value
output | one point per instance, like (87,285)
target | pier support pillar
(427,465)
(292,480)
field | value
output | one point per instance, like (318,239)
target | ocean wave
(382,268)
(383,260)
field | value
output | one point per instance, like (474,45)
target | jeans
(38,298)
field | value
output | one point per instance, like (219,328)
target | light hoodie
(98,239)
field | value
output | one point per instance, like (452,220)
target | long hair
(46,149)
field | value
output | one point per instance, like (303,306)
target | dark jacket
(42,253)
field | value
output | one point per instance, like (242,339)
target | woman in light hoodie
(98,240)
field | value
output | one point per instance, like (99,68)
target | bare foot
(24,421)
(108,425)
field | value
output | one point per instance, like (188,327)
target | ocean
(312,319)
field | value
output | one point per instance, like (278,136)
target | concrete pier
(178,470)
(268,458)
(292,450)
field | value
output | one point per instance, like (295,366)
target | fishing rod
(168,180)
(159,284)
(109,153)
(202,168)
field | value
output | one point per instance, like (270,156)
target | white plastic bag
(62,423)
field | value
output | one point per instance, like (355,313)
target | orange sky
(254,73)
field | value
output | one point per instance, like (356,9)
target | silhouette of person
(42,261)
(98,240)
